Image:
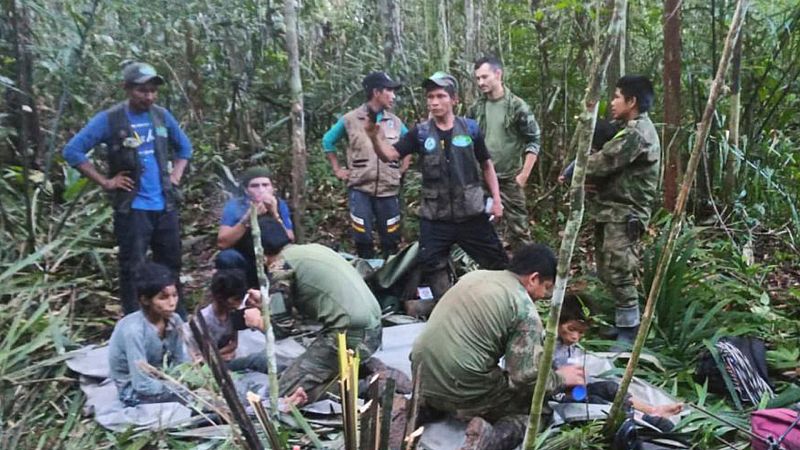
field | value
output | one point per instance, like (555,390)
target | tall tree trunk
(469,49)
(299,155)
(615,415)
(672,100)
(22,107)
(733,122)
(443,36)
(616,67)
(393,31)
(583,137)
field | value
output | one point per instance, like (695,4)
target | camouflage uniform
(485,316)
(511,132)
(627,169)
(324,287)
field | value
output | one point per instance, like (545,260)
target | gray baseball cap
(140,73)
(441,79)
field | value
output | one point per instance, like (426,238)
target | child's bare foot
(297,398)
(666,410)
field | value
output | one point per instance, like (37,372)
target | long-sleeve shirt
(136,339)
(98,131)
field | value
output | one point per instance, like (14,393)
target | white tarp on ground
(92,364)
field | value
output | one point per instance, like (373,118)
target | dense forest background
(230,85)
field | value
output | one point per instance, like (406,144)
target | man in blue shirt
(141,187)
(234,238)
(372,185)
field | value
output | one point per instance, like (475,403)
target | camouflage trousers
(617,260)
(319,365)
(514,228)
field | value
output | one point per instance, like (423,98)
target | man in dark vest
(372,185)
(142,186)
(452,156)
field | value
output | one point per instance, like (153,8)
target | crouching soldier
(325,288)
(488,315)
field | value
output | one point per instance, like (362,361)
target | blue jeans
(136,231)
(368,212)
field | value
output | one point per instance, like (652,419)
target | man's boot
(506,434)
(625,338)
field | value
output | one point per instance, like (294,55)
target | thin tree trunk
(443,36)
(672,100)
(583,136)
(615,415)
(733,122)
(469,49)
(299,155)
(393,31)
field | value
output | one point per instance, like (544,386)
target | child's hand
(573,375)
(228,352)
(253,298)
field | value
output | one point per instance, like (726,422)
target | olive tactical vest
(451,182)
(126,158)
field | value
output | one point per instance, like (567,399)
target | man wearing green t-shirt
(488,315)
(512,136)
(323,287)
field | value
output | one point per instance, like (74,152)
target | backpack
(775,429)
(745,369)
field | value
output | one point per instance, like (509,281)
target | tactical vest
(367,172)
(451,182)
(126,158)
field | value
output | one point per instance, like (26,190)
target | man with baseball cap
(372,185)
(142,179)
(453,157)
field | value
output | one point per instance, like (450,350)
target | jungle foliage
(734,271)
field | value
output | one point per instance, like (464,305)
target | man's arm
(180,141)
(94,133)
(118,181)
(329,140)
(615,155)
(494,187)
(528,128)
(385,151)
(523,351)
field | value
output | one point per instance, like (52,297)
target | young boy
(153,334)
(573,323)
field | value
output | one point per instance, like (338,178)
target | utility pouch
(634,228)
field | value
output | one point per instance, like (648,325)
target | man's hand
(371,128)
(521,179)
(573,375)
(342,173)
(252,318)
(119,181)
(497,209)
(175,178)
(253,298)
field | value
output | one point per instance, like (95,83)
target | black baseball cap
(140,73)
(379,80)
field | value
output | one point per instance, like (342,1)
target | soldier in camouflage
(486,316)
(627,170)
(512,136)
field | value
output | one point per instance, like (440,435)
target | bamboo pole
(263,281)
(615,415)
(583,136)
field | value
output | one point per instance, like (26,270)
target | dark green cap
(441,79)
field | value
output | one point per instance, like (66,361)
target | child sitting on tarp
(154,335)
(224,318)
(573,323)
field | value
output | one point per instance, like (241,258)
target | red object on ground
(774,423)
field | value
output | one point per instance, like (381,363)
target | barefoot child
(573,323)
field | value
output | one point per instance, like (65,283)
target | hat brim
(157,79)
(430,82)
